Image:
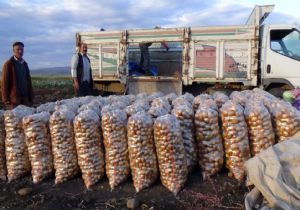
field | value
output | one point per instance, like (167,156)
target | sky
(48,28)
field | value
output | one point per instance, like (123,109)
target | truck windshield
(286,42)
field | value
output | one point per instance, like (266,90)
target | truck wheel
(276,91)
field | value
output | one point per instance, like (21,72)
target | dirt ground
(220,192)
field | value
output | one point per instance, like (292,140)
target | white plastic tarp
(275,174)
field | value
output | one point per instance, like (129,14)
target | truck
(200,58)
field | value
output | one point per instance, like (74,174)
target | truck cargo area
(166,67)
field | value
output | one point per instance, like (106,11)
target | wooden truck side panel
(223,54)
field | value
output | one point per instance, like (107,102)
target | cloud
(48,27)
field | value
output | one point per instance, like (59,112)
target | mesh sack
(235,135)
(63,145)
(114,128)
(126,100)
(185,117)
(133,109)
(141,96)
(94,105)
(239,97)
(285,118)
(47,107)
(69,107)
(161,102)
(170,97)
(89,147)
(199,100)
(258,118)
(181,101)
(170,153)
(189,97)
(131,98)
(109,108)
(143,162)
(155,111)
(17,160)
(155,95)
(209,141)
(220,98)
(3,170)
(39,145)
(210,103)
(144,103)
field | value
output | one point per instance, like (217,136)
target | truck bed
(217,54)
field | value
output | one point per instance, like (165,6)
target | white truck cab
(280,56)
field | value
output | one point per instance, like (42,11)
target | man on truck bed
(145,56)
(16,81)
(82,72)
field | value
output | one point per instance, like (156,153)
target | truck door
(283,56)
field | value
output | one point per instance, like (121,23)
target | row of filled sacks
(13,133)
(72,168)
(64,143)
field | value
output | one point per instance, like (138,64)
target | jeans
(84,89)
(145,58)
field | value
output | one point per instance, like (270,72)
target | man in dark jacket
(16,81)
(81,72)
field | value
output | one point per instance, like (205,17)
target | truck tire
(276,91)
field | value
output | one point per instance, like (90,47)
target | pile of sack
(145,136)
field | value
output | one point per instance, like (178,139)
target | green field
(51,82)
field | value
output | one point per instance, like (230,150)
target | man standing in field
(81,72)
(16,81)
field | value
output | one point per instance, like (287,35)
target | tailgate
(153,84)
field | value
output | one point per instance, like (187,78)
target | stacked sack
(3,171)
(17,160)
(143,162)
(89,146)
(170,97)
(235,135)
(200,99)
(209,103)
(143,103)
(94,105)
(114,128)
(181,101)
(258,118)
(209,141)
(63,145)
(286,119)
(47,107)
(188,97)
(155,95)
(220,98)
(170,153)
(239,97)
(185,116)
(39,145)
(159,107)
(161,102)
(133,109)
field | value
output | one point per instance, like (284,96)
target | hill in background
(51,72)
